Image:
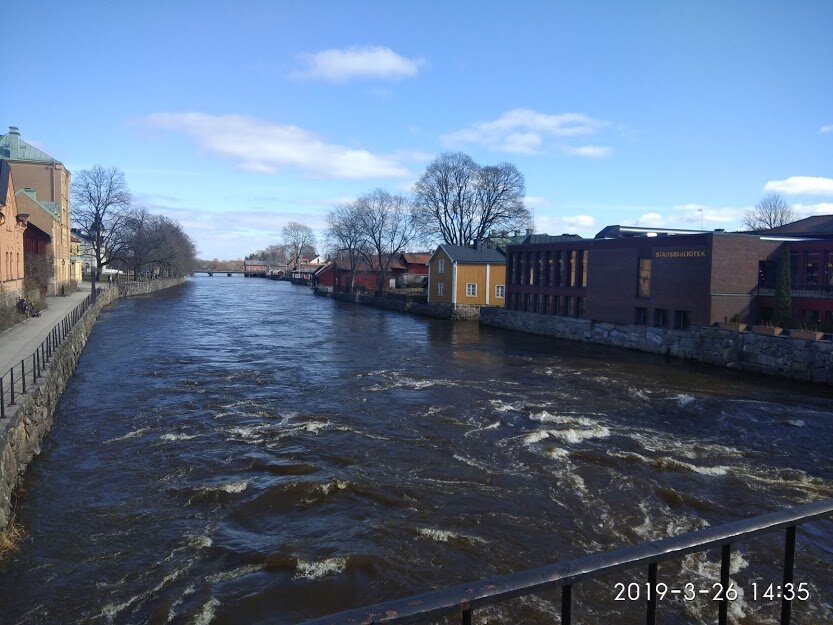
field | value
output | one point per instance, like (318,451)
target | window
(572,267)
(681,319)
(471,289)
(644,277)
(811,270)
(579,307)
(660,317)
(500,291)
(440,288)
(441,265)
(585,260)
(641,317)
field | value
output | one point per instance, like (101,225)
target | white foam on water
(129,435)
(557,453)
(671,464)
(683,399)
(473,463)
(320,568)
(200,542)
(335,484)
(798,423)
(178,437)
(444,536)
(575,435)
(225,576)
(206,613)
(535,437)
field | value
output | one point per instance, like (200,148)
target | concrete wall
(782,356)
(26,423)
(437,310)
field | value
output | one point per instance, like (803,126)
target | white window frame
(441,265)
(500,291)
(440,289)
(471,289)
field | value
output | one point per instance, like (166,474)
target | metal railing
(25,375)
(464,598)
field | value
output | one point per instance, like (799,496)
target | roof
(538,239)
(484,255)
(14,148)
(815,225)
(623,232)
(416,258)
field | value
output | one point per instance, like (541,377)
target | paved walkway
(20,341)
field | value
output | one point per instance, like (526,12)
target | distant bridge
(220,272)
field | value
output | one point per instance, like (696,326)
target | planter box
(735,327)
(767,330)
(808,335)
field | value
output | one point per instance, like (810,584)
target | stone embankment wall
(409,305)
(784,356)
(26,423)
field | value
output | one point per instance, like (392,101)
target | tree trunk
(94,275)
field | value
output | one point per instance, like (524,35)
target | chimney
(529,231)
(14,142)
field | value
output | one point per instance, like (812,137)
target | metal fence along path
(25,374)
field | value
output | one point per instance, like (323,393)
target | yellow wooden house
(472,276)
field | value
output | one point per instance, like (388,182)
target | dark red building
(667,278)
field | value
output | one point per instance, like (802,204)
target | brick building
(668,278)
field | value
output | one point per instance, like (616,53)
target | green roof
(13,148)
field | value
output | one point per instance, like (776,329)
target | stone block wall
(784,356)
(26,423)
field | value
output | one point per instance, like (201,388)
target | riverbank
(26,423)
(407,304)
(782,356)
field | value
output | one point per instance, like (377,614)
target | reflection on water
(240,451)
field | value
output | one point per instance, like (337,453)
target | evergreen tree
(783,292)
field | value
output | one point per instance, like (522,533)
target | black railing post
(23,375)
(789,564)
(2,400)
(466,615)
(725,561)
(651,616)
(566,604)
(34,368)
(11,387)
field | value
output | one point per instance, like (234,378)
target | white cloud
(651,219)
(261,146)
(826,130)
(579,221)
(523,131)
(691,215)
(535,201)
(591,151)
(808,210)
(358,62)
(798,185)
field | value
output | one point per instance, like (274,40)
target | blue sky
(236,118)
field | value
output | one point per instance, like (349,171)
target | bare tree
(772,211)
(389,223)
(100,199)
(300,240)
(460,202)
(346,234)
(142,237)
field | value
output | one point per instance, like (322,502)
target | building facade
(467,276)
(46,182)
(13,225)
(660,278)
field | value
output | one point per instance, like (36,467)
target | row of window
(551,268)
(808,271)
(661,318)
(564,305)
(471,290)
(11,266)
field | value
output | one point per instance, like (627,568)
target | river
(239,451)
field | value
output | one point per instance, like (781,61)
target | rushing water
(239,451)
